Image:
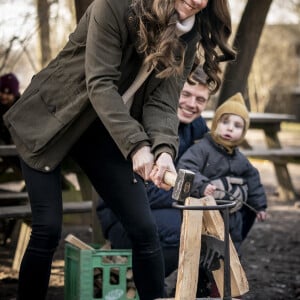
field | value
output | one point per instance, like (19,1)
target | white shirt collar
(185,26)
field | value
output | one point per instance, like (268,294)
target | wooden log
(25,232)
(131,293)
(73,240)
(189,252)
(213,224)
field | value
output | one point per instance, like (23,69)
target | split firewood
(131,293)
(73,240)
(130,284)
(129,274)
(98,283)
(106,246)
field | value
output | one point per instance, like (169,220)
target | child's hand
(209,190)
(261,216)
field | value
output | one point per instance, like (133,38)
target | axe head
(183,185)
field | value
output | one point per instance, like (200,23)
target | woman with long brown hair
(109,100)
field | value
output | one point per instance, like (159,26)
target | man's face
(192,102)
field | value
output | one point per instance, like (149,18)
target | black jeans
(112,177)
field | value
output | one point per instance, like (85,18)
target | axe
(181,182)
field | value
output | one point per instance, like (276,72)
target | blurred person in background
(9,94)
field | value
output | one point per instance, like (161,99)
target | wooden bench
(5,197)
(14,205)
(280,158)
(23,212)
(8,150)
(270,123)
(282,155)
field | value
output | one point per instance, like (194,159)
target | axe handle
(170,178)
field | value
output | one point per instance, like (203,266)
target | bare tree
(43,9)
(246,41)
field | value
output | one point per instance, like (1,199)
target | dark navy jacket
(210,161)
(188,135)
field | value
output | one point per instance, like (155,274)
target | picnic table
(280,156)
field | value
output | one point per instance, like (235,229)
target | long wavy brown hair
(161,45)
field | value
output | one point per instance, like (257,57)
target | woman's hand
(142,161)
(163,163)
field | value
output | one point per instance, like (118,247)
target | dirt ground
(271,253)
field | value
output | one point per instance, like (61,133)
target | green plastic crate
(80,268)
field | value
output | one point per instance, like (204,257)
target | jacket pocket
(34,121)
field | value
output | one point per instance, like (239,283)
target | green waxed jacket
(86,81)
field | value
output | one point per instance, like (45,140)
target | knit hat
(234,105)
(9,84)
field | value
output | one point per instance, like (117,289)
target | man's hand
(142,162)
(163,163)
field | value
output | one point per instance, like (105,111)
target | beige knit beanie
(234,105)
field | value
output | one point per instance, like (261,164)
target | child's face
(230,127)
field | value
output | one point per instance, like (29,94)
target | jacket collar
(219,147)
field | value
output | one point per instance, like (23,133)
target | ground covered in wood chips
(271,254)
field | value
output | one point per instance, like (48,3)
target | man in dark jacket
(220,167)
(222,170)
(193,99)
